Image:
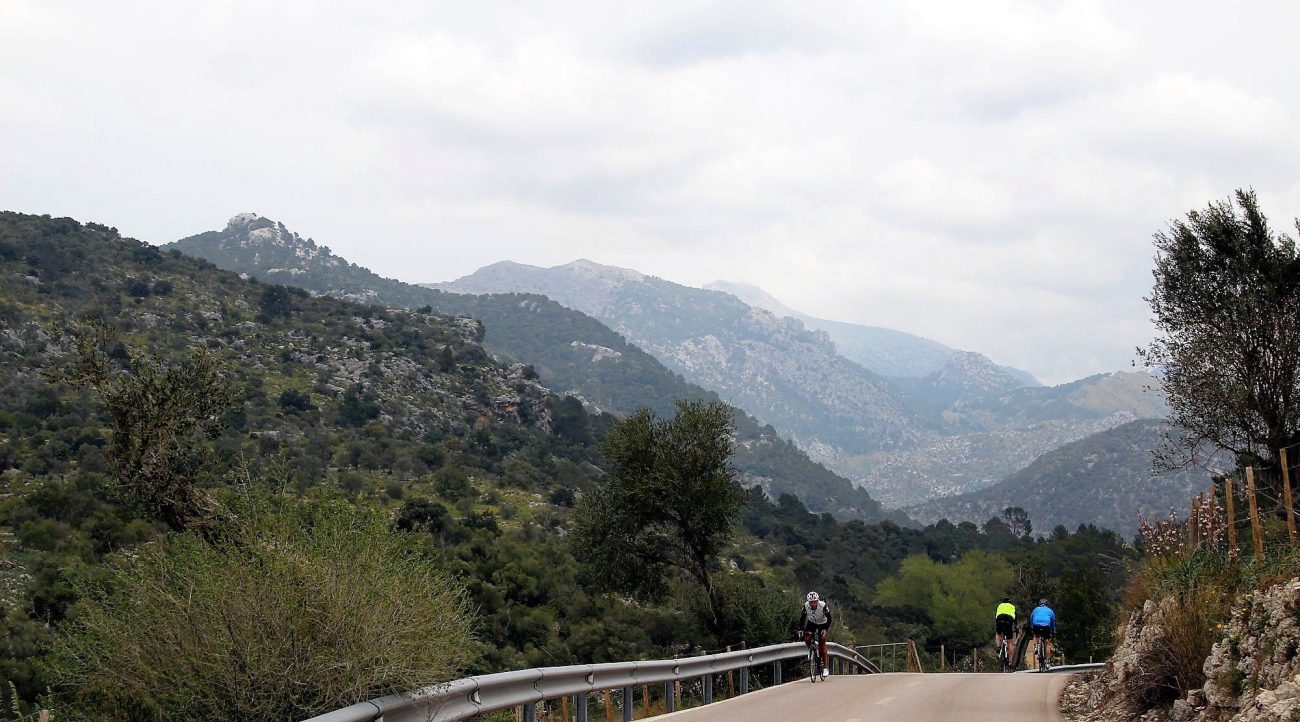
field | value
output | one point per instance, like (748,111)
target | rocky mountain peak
(971,372)
(257,245)
(591,269)
(243,220)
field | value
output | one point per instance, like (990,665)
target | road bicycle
(1004,658)
(1040,652)
(814,657)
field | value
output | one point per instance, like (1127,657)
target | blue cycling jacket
(1043,617)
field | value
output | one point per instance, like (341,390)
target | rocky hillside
(1251,675)
(885,351)
(774,367)
(571,352)
(317,371)
(1090,481)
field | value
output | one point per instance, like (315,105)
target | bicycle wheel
(814,663)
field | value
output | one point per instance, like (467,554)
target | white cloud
(988,174)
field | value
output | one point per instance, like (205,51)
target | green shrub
(752,611)
(310,609)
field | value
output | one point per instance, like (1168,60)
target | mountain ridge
(784,373)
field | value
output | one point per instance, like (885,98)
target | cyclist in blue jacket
(1042,622)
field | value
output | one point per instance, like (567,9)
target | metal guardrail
(888,650)
(465,698)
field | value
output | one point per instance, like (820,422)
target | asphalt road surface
(912,697)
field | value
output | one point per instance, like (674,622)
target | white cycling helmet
(812,596)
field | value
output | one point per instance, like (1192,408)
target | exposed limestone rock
(1252,673)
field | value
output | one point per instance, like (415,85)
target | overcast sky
(987,174)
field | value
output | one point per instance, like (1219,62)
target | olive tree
(163,416)
(1226,306)
(668,507)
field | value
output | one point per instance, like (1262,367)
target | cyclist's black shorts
(1005,625)
(1042,631)
(812,628)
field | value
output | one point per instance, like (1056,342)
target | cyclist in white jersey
(814,621)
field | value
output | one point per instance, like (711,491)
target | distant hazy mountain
(787,375)
(883,350)
(572,352)
(964,425)
(988,437)
(1103,479)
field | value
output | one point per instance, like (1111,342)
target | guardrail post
(530,712)
(708,688)
(580,707)
(627,704)
(670,699)
(776,672)
(744,680)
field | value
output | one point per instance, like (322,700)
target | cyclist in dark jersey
(814,621)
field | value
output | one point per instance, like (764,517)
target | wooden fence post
(1194,521)
(731,681)
(942,657)
(913,658)
(1286,498)
(1254,513)
(609,709)
(1230,504)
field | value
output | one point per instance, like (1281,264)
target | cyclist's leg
(821,647)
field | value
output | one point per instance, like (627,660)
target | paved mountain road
(911,697)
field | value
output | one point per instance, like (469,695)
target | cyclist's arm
(803,617)
(828,615)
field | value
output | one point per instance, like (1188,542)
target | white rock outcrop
(1251,675)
